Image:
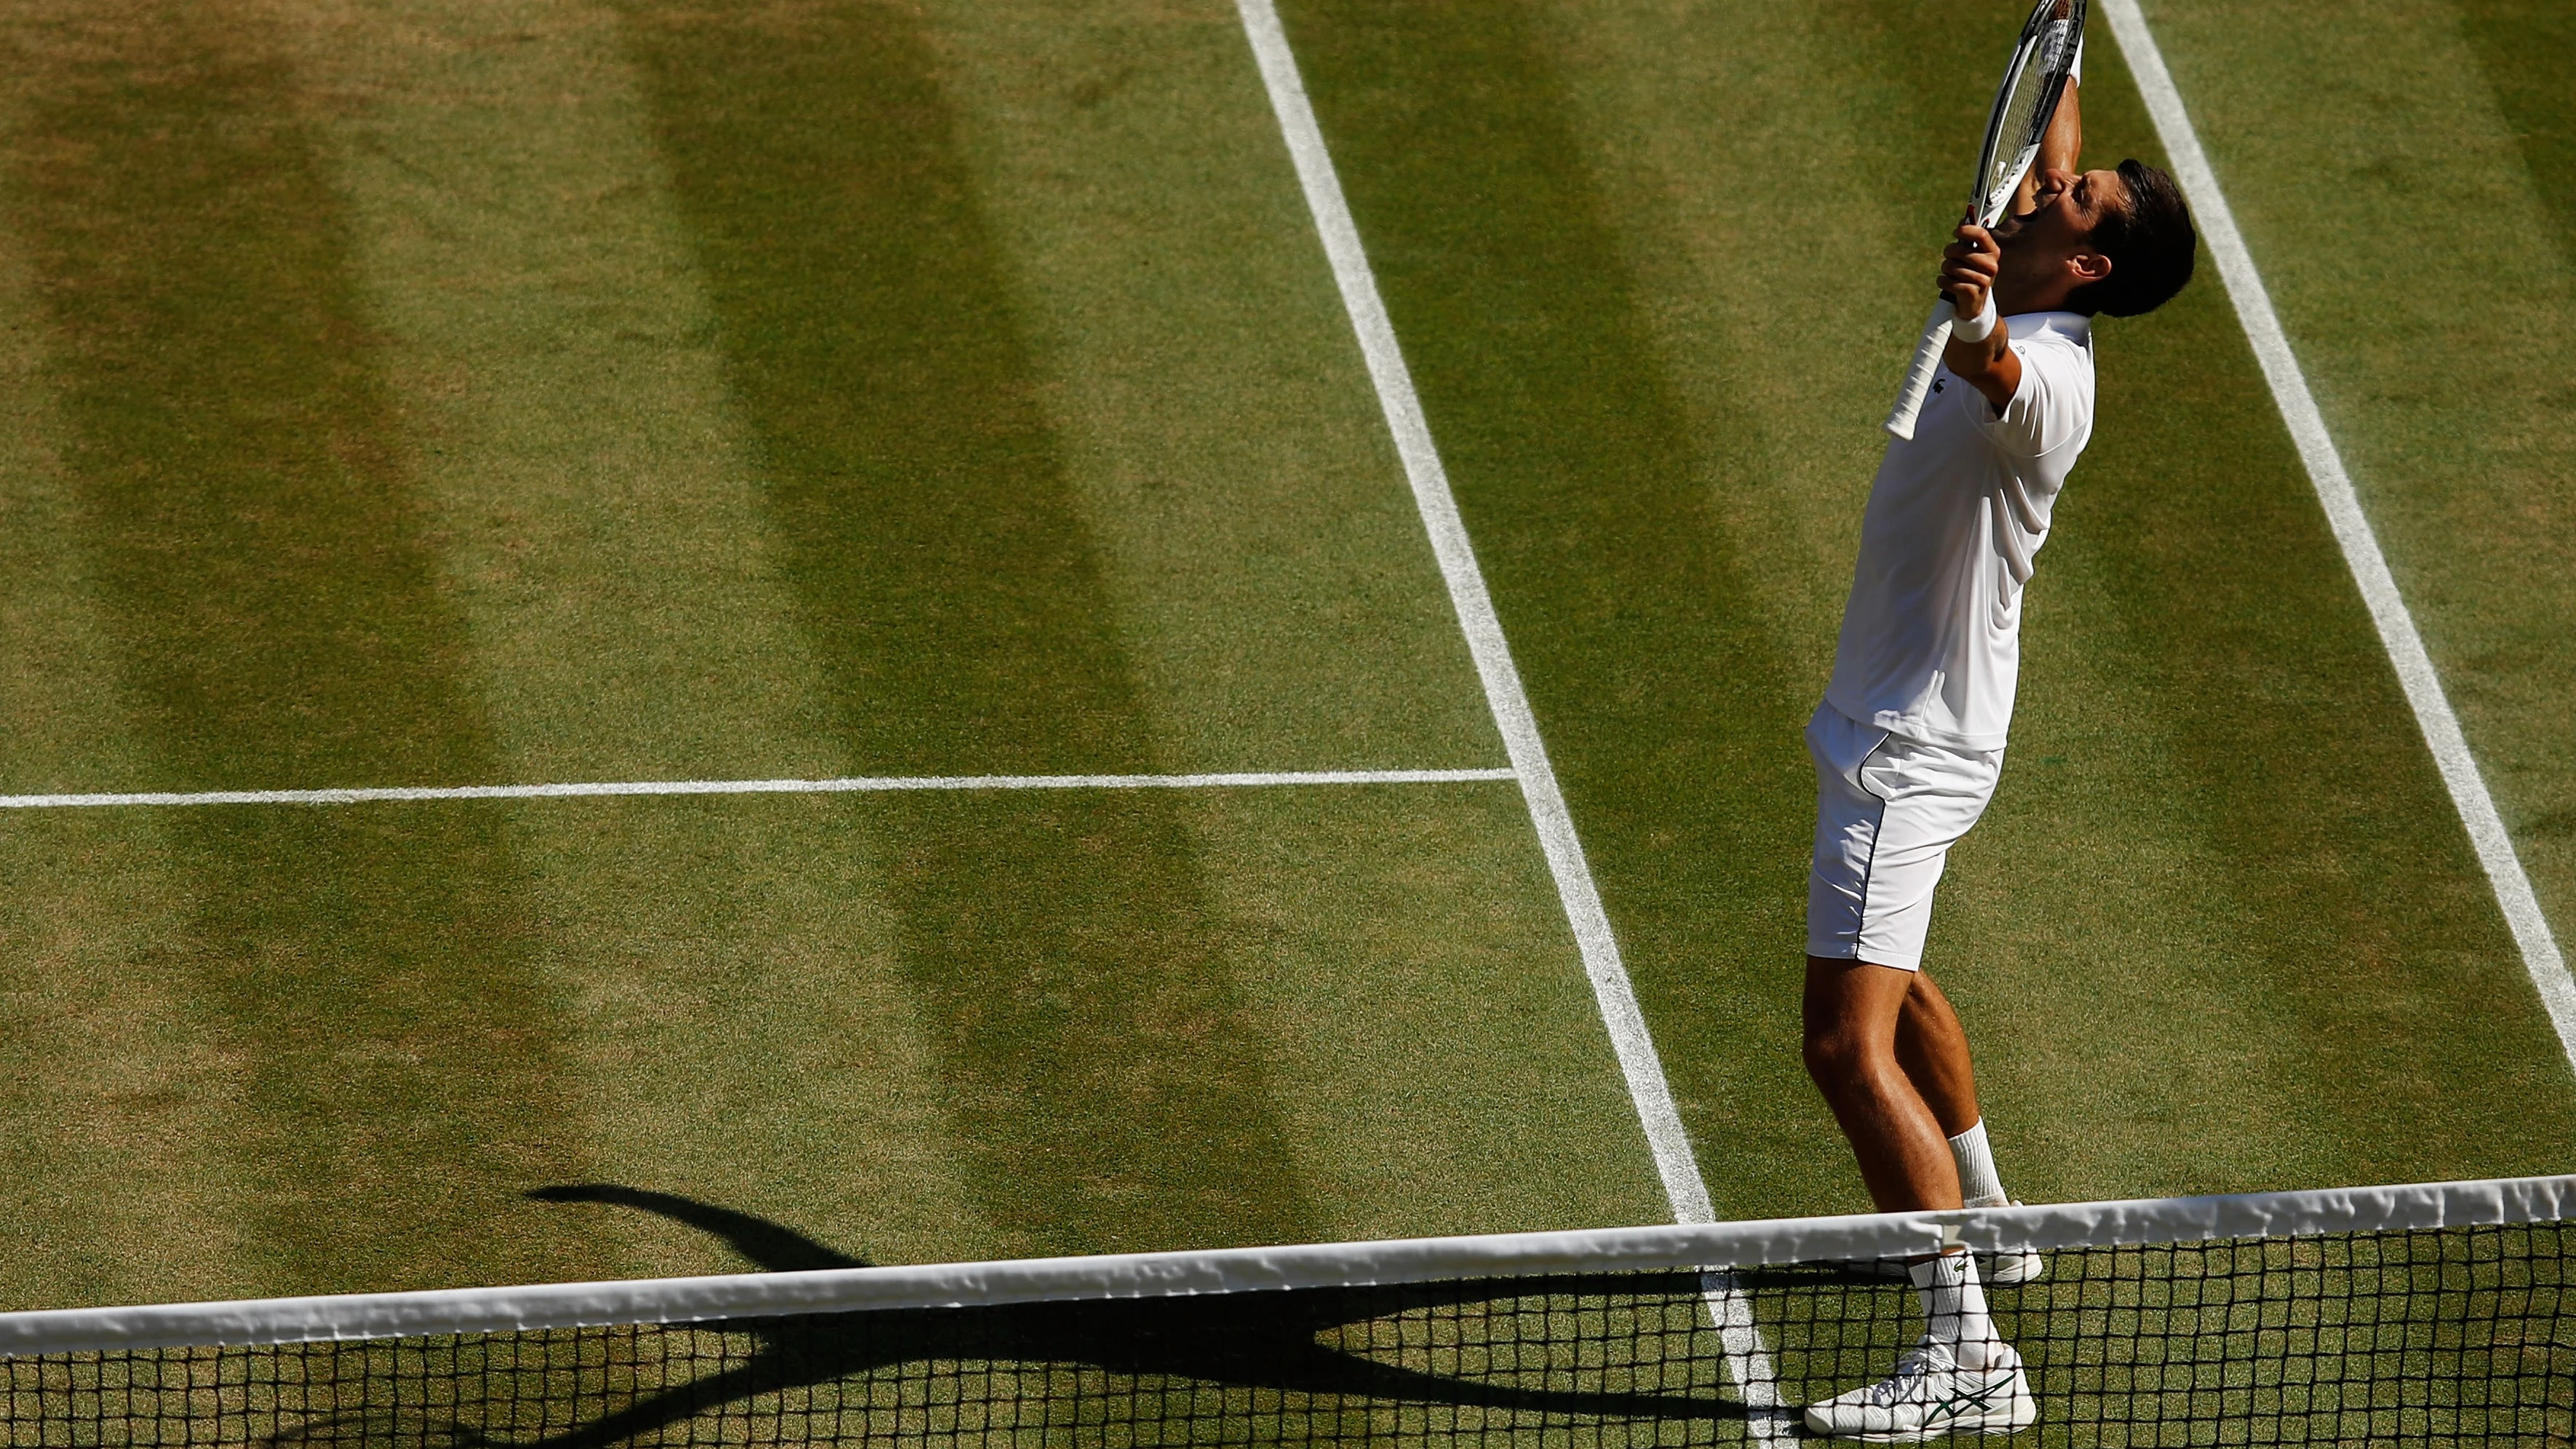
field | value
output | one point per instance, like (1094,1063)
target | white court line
(2415,672)
(848,785)
(1748,1359)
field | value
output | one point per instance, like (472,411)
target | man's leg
(1933,1049)
(1881,1041)
(1961,1376)
(1853,1011)
(1887,1052)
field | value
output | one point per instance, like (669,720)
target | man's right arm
(2058,147)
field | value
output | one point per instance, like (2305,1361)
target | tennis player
(1909,741)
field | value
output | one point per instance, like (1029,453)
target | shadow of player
(1267,1341)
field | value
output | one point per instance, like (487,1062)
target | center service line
(1748,1360)
(2352,531)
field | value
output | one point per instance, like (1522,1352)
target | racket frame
(1986,205)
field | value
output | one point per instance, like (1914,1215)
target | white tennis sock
(1954,1308)
(1979,1186)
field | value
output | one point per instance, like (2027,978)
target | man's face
(2041,241)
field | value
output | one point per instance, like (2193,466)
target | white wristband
(1977,328)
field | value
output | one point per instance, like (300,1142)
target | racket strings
(2028,98)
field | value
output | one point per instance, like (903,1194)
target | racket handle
(1927,361)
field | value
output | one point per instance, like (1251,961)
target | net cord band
(1231,1270)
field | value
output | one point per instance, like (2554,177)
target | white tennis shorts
(1887,810)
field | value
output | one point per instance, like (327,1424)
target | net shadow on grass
(1339,1355)
(2444,1334)
(1335,1362)
(772,1247)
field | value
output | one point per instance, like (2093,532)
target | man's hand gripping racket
(2034,78)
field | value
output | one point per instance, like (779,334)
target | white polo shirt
(1931,640)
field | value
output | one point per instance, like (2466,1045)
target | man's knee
(1850,1015)
(1827,1056)
(1838,1052)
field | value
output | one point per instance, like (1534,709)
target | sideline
(1748,1360)
(2423,685)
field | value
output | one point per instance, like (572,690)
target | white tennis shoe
(2008,1269)
(1931,1397)
(2012,1267)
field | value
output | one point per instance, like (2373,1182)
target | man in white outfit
(1909,741)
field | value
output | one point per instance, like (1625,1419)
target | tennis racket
(2033,80)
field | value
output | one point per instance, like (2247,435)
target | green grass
(2440,362)
(915,1029)
(2226,876)
(427,393)
(259,566)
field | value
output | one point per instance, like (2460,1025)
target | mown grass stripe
(1748,1357)
(1457,556)
(2352,530)
(1108,1080)
(846,785)
(386,1033)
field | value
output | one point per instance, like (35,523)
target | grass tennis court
(424,393)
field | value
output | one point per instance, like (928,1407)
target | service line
(845,785)
(2415,673)
(1475,608)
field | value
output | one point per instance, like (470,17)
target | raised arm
(2058,149)
(1969,265)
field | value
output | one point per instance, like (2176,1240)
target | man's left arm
(1969,264)
(2060,145)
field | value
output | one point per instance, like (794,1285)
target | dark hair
(2150,242)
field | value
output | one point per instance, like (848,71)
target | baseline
(2397,633)
(846,785)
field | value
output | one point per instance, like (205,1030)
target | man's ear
(2089,267)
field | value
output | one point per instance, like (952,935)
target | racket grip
(1918,376)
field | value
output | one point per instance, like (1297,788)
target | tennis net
(2423,1314)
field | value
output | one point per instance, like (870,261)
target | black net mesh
(2449,1336)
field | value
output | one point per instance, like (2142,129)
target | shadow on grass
(1340,1355)
(2523,46)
